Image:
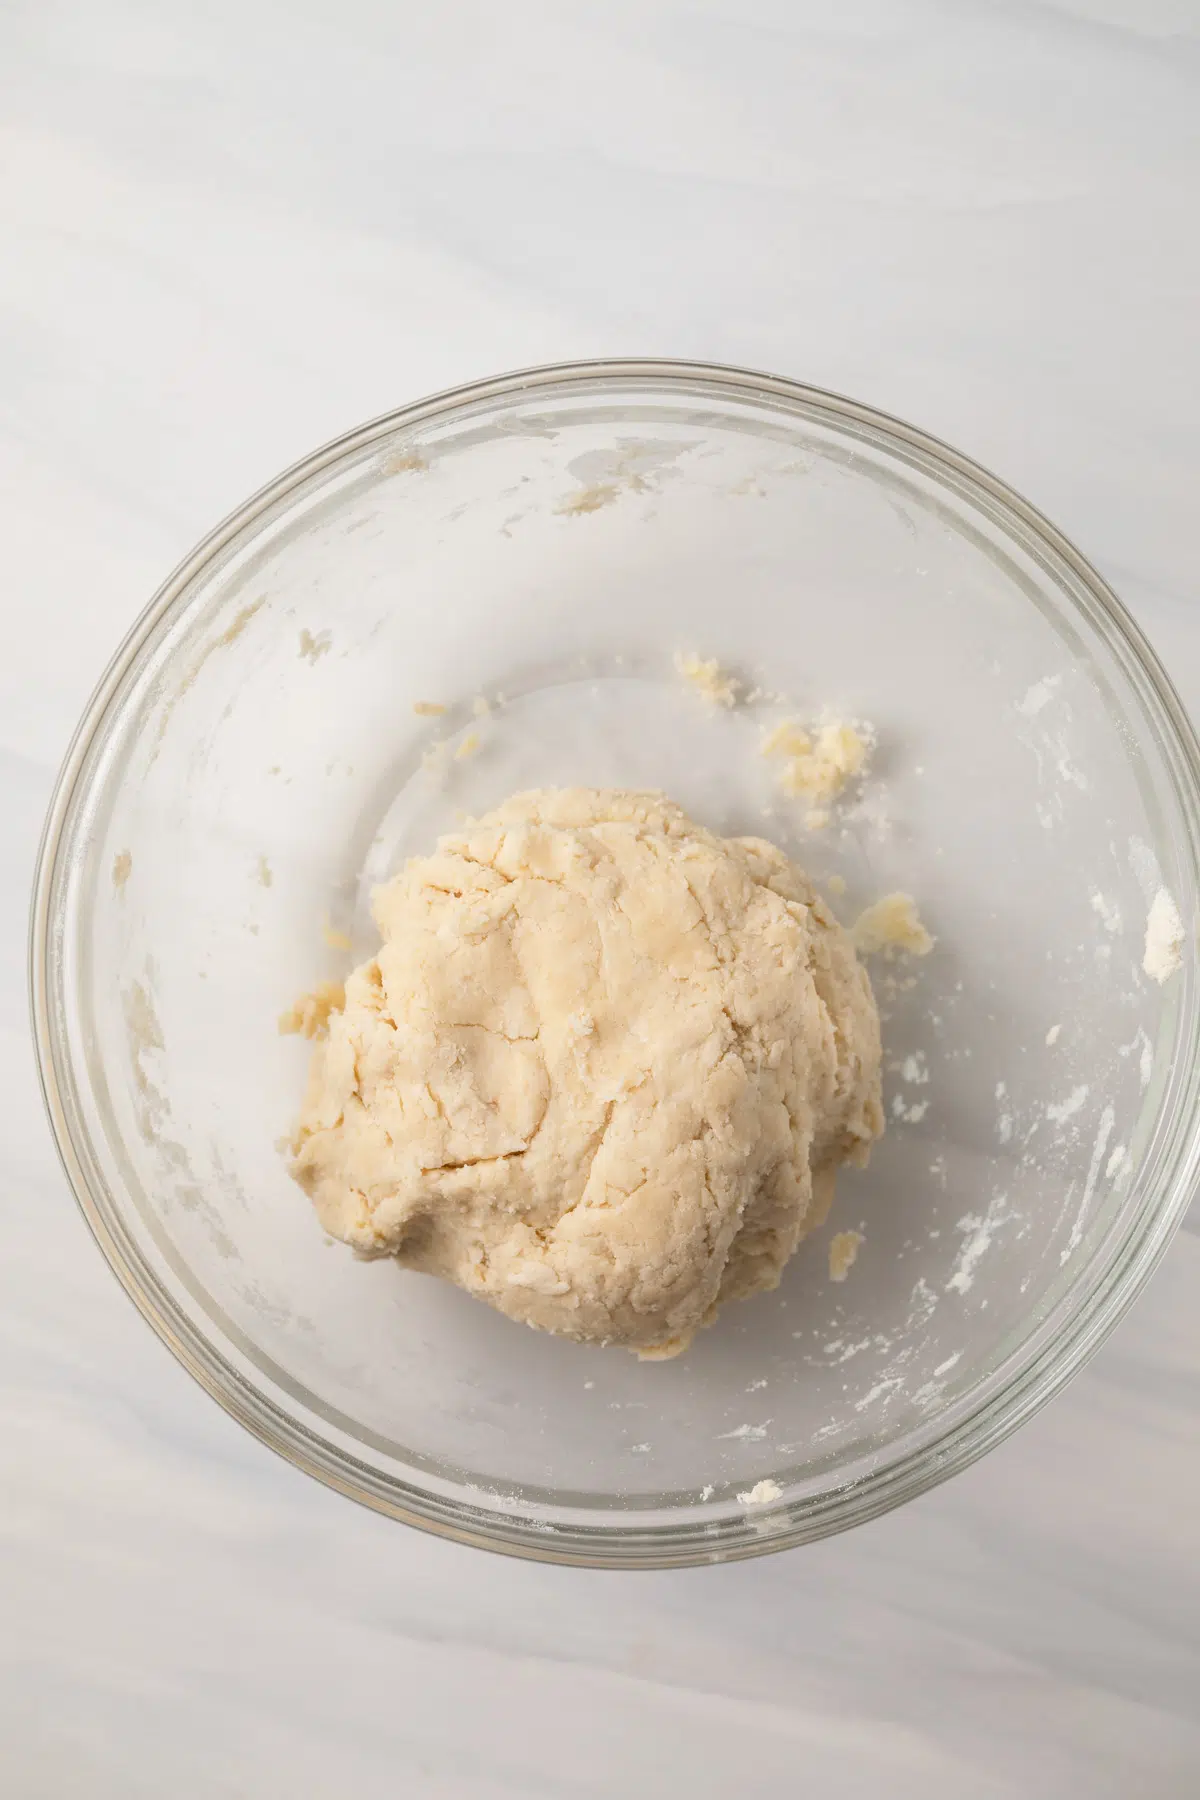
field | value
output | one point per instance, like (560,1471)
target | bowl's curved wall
(531,554)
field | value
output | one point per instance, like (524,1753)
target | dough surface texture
(601,1071)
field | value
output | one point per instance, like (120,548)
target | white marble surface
(229,231)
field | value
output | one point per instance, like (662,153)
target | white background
(228,232)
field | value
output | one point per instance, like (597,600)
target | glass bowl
(531,553)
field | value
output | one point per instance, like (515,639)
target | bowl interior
(533,562)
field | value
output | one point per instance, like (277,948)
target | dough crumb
(1164,938)
(601,1072)
(843,1249)
(468,747)
(891,925)
(309,1016)
(429,709)
(262,870)
(786,739)
(836,885)
(708,679)
(763,1493)
(818,767)
(1052,1034)
(122,869)
(481,706)
(312,649)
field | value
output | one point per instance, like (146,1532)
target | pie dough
(601,1071)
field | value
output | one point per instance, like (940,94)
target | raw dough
(708,678)
(818,768)
(311,1013)
(763,1493)
(601,1072)
(843,1253)
(892,925)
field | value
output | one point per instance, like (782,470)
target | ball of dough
(601,1071)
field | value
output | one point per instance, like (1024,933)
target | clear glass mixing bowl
(252,764)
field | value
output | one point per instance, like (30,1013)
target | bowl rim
(683,1542)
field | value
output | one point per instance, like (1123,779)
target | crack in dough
(601,1071)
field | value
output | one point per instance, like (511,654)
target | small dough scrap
(817,768)
(429,709)
(844,1247)
(601,1072)
(889,925)
(708,679)
(763,1493)
(309,1016)
(787,739)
